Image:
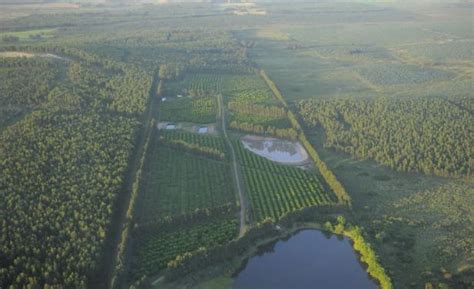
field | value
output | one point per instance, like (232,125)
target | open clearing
(189,127)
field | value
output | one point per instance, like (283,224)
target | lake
(309,259)
(278,150)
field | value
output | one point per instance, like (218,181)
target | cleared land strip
(235,168)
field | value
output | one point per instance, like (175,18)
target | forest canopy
(429,135)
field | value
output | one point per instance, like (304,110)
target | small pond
(278,150)
(203,129)
(309,259)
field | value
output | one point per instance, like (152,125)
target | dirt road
(235,169)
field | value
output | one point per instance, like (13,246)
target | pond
(203,129)
(278,150)
(307,260)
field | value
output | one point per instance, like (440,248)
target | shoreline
(305,159)
(230,268)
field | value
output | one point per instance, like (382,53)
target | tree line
(257,109)
(327,174)
(367,254)
(288,133)
(195,148)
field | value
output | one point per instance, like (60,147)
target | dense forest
(60,179)
(428,135)
(24,84)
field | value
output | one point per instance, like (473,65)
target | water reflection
(279,150)
(309,259)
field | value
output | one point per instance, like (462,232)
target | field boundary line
(328,175)
(118,262)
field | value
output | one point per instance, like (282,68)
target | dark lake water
(307,260)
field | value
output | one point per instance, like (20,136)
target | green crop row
(198,110)
(275,190)
(205,141)
(273,196)
(176,183)
(156,249)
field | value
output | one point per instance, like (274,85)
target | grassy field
(341,58)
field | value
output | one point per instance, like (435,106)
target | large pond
(278,150)
(307,260)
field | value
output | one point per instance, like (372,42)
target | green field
(28,35)
(211,146)
(176,183)
(157,248)
(275,190)
(197,110)
(196,83)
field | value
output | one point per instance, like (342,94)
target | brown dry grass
(11,54)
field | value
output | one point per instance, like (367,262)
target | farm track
(235,168)
(111,255)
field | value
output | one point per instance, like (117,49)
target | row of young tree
(429,135)
(204,257)
(257,109)
(170,71)
(288,133)
(195,148)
